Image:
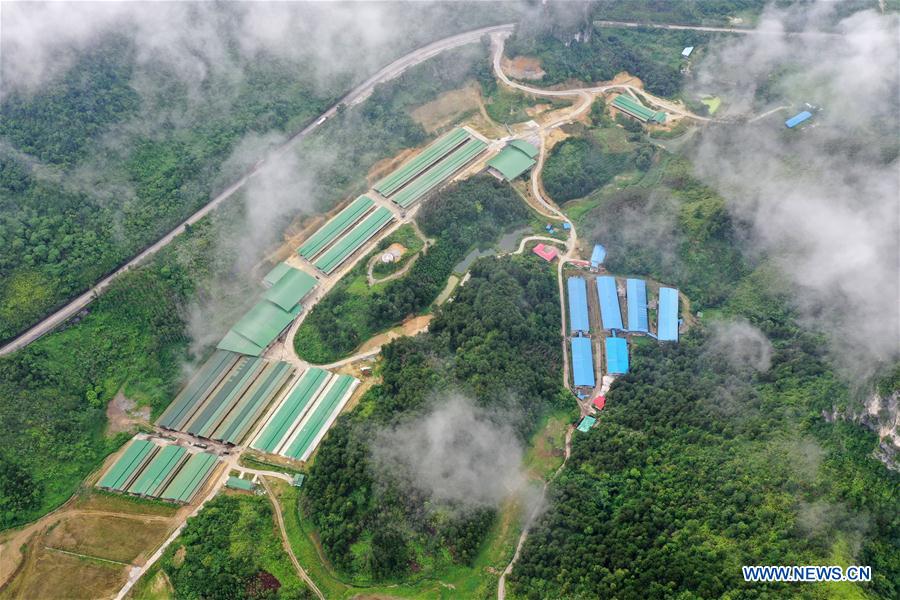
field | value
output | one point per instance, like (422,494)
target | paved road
(738,30)
(357,95)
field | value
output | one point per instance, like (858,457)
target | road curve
(354,97)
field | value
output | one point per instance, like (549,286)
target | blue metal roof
(637,305)
(610,311)
(578,308)
(667,330)
(598,255)
(582,362)
(798,118)
(616,356)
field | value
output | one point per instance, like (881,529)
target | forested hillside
(701,462)
(473,212)
(232,550)
(53,394)
(653,55)
(66,224)
(497,342)
(107,156)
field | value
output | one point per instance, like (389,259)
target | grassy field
(547,449)
(712,104)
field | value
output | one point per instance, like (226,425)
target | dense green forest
(578,166)
(53,393)
(471,213)
(496,342)
(687,12)
(60,232)
(693,238)
(230,550)
(699,464)
(697,468)
(653,55)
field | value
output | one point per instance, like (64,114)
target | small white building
(687,51)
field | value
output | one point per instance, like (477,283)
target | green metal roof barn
(637,110)
(516,158)
(291,288)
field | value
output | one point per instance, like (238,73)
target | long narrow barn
(610,310)
(667,330)
(636,294)
(582,363)
(578,307)
(430,167)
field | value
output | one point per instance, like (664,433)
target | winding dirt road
(287,543)
(501,584)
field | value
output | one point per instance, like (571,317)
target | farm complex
(598,318)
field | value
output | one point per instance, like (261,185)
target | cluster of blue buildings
(615,346)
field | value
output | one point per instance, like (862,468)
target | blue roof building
(578,307)
(616,356)
(582,362)
(637,305)
(598,256)
(667,330)
(610,312)
(797,119)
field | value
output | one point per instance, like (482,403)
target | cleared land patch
(121,539)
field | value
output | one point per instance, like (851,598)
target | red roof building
(548,253)
(600,402)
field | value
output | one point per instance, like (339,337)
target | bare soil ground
(447,108)
(122,414)
(386,165)
(48,574)
(119,538)
(522,67)
(409,327)
(397,249)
